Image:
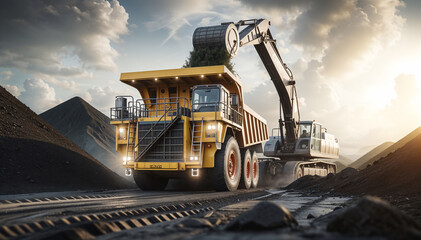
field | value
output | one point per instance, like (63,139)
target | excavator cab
(314,141)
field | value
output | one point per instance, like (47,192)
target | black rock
(372,216)
(263,216)
(310,216)
(196,223)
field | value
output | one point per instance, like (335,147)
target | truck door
(316,137)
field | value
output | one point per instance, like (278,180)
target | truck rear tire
(226,173)
(255,170)
(246,169)
(265,177)
(146,180)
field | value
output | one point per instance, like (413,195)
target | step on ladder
(196,141)
(131,142)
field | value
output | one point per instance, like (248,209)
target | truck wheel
(265,177)
(255,170)
(247,169)
(146,180)
(226,173)
(298,173)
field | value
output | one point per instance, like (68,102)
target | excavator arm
(256,32)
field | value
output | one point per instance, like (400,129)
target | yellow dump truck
(188,122)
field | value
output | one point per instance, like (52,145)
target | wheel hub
(254,170)
(232,165)
(248,170)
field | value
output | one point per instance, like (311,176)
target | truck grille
(170,148)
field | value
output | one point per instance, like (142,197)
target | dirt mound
(402,142)
(367,158)
(88,128)
(35,157)
(396,177)
(398,173)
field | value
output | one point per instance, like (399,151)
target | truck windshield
(305,130)
(206,99)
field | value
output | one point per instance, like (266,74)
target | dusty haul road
(133,213)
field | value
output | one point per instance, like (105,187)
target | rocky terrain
(88,128)
(35,157)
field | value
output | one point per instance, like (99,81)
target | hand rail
(139,107)
(237,116)
(150,130)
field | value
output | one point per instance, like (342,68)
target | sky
(357,63)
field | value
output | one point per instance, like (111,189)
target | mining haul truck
(194,123)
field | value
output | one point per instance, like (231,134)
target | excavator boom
(256,32)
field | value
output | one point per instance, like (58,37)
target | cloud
(5,75)
(14,90)
(38,95)
(401,116)
(333,32)
(42,34)
(178,14)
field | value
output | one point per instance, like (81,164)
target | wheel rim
(232,165)
(255,169)
(248,169)
(299,174)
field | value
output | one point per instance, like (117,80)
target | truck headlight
(211,127)
(122,133)
(126,160)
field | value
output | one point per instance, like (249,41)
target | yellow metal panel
(209,155)
(180,72)
(187,138)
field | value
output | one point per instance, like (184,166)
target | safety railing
(226,111)
(125,112)
(157,107)
(151,107)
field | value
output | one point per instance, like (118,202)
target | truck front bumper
(161,166)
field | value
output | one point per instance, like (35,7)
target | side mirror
(234,100)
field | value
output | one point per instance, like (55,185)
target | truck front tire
(146,180)
(226,173)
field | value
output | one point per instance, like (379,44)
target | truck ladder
(154,140)
(131,141)
(196,140)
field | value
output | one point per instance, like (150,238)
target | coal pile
(88,128)
(35,157)
(399,173)
(395,177)
(374,217)
(370,156)
(383,150)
